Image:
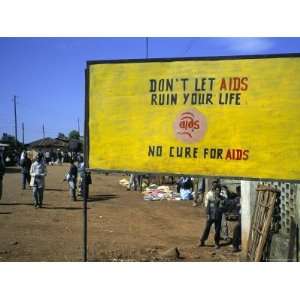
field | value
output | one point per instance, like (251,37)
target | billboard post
(86,165)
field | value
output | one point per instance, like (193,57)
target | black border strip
(204,58)
(111,171)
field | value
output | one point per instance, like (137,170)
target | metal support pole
(297,242)
(85,198)
(86,165)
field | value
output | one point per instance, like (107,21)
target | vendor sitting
(185,187)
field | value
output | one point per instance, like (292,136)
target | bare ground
(121,225)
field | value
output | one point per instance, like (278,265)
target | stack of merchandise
(157,193)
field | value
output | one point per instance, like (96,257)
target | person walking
(80,177)
(133,182)
(236,239)
(47,157)
(2,171)
(59,157)
(52,157)
(83,186)
(38,171)
(72,179)
(25,164)
(22,155)
(62,157)
(214,211)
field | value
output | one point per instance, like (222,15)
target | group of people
(52,157)
(137,181)
(34,173)
(58,157)
(222,205)
(75,178)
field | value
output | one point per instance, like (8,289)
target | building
(48,144)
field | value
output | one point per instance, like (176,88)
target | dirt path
(121,225)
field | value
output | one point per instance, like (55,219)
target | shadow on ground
(56,190)
(226,243)
(95,198)
(64,208)
(16,204)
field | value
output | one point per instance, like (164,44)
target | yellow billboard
(229,117)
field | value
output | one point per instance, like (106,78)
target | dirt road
(121,225)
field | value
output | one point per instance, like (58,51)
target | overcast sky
(47,74)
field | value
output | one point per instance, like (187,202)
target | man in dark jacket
(72,179)
(236,239)
(2,171)
(215,207)
(25,164)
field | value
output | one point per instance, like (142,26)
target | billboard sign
(221,116)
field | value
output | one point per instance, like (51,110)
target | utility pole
(43,131)
(23,133)
(16,124)
(78,126)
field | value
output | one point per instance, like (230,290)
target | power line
(78,125)
(23,133)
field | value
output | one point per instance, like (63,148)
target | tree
(61,136)
(13,148)
(8,138)
(74,135)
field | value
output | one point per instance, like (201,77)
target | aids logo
(190,126)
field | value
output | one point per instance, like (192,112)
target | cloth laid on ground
(157,193)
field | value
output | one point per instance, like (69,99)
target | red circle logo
(190,126)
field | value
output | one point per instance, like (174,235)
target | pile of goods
(157,193)
(124,182)
(153,192)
